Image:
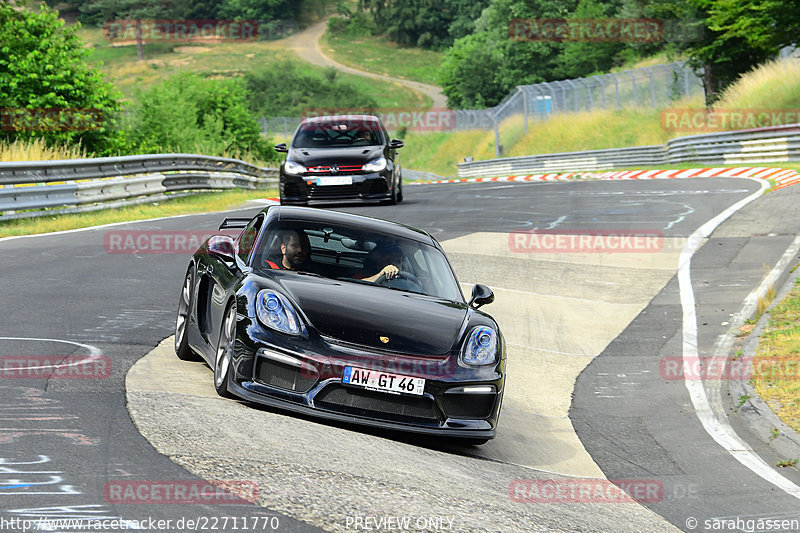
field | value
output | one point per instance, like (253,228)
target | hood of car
(410,323)
(351,155)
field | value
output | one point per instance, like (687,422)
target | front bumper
(301,382)
(371,187)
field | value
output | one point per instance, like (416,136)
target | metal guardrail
(79,185)
(780,143)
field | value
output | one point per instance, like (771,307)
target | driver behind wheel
(390,256)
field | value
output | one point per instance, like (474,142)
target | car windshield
(345,132)
(353,255)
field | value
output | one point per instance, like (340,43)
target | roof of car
(291,213)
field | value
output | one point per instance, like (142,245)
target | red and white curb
(782,177)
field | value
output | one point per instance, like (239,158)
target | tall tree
(720,55)
(136,10)
(767,25)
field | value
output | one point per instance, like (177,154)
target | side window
(247,238)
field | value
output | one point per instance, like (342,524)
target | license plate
(383,381)
(335,180)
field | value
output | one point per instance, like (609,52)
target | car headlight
(290,167)
(376,165)
(275,311)
(481,347)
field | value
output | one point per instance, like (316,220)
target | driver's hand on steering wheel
(390,271)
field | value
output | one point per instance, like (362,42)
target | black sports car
(344,317)
(341,158)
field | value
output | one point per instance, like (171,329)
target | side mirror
(481,295)
(394,144)
(281,148)
(223,247)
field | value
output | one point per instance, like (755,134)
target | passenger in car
(388,255)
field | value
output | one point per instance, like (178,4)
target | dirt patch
(192,49)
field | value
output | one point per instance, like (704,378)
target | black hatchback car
(341,158)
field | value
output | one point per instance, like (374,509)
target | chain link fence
(655,87)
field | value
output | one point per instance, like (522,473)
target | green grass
(199,203)
(232,59)
(776,373)
(374,54)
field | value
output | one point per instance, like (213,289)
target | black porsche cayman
(328,329)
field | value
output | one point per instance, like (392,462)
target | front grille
(285,376)
(380,405)
(472,406)
(333,191)
(327,169)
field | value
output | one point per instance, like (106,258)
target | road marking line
(93,350)
(719,429)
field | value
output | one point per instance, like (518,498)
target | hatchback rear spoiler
(235,223)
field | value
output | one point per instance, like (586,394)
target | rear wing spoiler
(234,223)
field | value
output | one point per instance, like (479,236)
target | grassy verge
(776,368)
(772,86)
(199,203)
(37,150)
(233,59)
(383,57)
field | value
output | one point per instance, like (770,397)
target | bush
(286,89)
(191,114)
(358,24)
(45,80)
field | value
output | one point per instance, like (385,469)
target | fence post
(589,101)
(685,79)
(616,87)
(633,79)
(524,105)
(496,137)
(552,96)
(602,89)
(652,88)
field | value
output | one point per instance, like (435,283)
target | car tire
(223,356)
(400,191)
(182,349)
(393,198)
